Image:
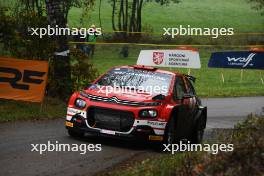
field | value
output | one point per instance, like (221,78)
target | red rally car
(138,101)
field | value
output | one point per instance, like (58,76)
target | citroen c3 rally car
(154,104)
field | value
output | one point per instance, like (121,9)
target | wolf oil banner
(238,59)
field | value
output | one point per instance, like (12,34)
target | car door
(182,104)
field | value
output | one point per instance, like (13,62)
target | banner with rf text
(23,79)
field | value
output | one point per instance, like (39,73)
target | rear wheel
(75,133)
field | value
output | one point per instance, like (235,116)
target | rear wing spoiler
(192,78)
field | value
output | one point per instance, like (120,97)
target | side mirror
(159,97)
(87,87)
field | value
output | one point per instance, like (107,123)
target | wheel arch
(173,110)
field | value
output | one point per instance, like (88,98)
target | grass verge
(209,82)
(17,110)
(207,13)
(246,159)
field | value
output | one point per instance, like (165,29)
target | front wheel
(197,135)
(75,133)
(170,133)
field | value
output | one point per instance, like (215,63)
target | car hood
(125,95)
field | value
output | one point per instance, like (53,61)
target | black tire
(170,133)
(198,132)
(75,133)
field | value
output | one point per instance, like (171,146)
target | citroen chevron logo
(115,99)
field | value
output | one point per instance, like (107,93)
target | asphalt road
(16,138)
(225,112)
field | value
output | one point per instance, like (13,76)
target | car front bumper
(145,129)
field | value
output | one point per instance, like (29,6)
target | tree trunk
(61,83)
(119,16)
(113,15)
(133,16)
(139,18)
(126,16)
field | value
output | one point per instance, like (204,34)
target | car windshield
(140,80)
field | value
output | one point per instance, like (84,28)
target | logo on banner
(158,57)
(27,77)
(241,61)
(23,79)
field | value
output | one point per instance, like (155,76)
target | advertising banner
(170,58)
(23,79)
(238,59)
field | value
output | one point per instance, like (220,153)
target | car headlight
(80,103)
(148,113)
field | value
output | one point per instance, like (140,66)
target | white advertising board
(180,58)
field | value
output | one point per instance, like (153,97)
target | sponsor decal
(242,61)
(72,111)
(156,124)
(69,124)
(155,138)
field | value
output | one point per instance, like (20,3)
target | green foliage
(82,71)
(246,159)
(7,26)
(25,45)
(258,5)
(87,7)
(17,41)
(127,17)
(15,35)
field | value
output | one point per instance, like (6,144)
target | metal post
(189,71)
(223,78)
(241,75)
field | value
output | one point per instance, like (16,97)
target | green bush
(15,36)
(17,42)
(82,71)
(246,159)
